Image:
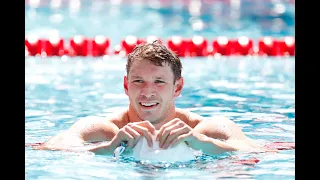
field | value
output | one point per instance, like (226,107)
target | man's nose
(147,90)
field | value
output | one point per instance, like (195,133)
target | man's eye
(159,81)
(137,81)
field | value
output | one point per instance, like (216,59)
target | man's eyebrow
(136,76)
(159,77)
(139,77)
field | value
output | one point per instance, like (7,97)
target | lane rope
(196,46)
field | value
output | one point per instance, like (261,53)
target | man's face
(151,90)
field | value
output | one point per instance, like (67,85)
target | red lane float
(223,46)
(179,45)
(53,46)
(77,46)
(242,46)
(81,46)
(196,46)
(289,44)
(33,45)
(270,46)
(100,46)
(129,43)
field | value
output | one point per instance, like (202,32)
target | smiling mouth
(148,105)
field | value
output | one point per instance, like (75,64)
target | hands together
(171,133)
(132,133)
(174,132)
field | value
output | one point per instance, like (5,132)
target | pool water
(150,17)
(258,93)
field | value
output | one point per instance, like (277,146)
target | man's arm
(219,135)
(214,136)
(84,130)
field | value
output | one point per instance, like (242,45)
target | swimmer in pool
(152,82)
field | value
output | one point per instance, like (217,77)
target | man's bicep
(220,128)
(84,130)
(94,129)
(63,140)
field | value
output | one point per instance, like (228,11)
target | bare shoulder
(88,129)
(220,127)
(217,127)
(93,128)
(222,120)
(233,132)
(95,121)
(190,118)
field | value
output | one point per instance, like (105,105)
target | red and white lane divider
(196,46)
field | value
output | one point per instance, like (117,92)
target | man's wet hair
(158,54)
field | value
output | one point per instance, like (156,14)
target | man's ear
(125,84)
(178,87)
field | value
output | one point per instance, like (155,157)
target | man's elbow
(61,142)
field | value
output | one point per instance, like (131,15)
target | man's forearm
(101,148)
(211,146)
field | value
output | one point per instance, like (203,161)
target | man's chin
(148,118)
(152,117)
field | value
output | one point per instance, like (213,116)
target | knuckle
(125,128)
(166,131)
(149,125)
(172,133)
(144,123)
(185,128)
(122,130)
(175,131)
(180,123)
(144,130)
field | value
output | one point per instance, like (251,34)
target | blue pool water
(258,93)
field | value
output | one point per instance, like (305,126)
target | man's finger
(173,135)
(179,139)
(168,124)
(131,131)
(145,124)
(145,132)
(165,134)
(125,136)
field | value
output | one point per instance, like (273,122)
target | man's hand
(132,132)
(173,133)
(176,131)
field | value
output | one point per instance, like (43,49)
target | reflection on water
(117,19)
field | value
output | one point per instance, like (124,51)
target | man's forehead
(139,61)
(154,76)
(151,66)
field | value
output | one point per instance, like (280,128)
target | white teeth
(148,104)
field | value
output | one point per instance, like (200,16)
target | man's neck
(133,117)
